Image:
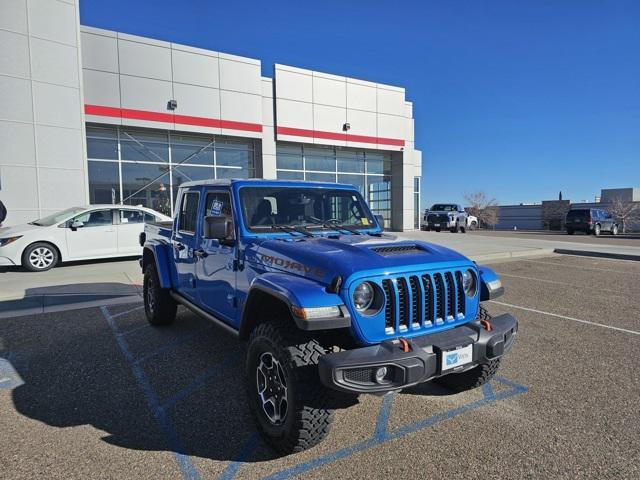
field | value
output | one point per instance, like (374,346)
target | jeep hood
(322,258)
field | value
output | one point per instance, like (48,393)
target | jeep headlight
(470,283)
(363,296)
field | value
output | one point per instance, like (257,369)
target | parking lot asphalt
(99,393)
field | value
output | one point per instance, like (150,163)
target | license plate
(457,357)
(436,224)
(577,220)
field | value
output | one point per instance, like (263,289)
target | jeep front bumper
(354,371)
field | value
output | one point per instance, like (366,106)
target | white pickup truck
(448,216)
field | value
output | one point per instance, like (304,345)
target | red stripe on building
(345,137)
(170,118)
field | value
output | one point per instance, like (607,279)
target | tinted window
(444,208)
(95,218)
(189,212)
(577,215)
(131,216)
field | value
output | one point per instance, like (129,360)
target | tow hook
(404,345)
(486,325)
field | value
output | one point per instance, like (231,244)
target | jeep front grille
(422,301)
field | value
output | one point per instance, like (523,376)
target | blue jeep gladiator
(330,305)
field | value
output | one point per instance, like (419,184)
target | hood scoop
(398,250)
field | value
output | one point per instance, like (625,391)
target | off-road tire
(159,307)
(308,416)
(49,257)
(477,376)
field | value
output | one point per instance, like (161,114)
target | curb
(591,253)
(512,255)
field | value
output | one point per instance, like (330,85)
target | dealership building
(96,116)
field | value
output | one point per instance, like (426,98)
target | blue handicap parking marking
(382,434)
(9,377)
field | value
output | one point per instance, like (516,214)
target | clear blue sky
(517,98)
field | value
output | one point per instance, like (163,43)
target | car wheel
(40,257)
(569,231)
(463,230)
(159,307)
(454,229)
(614,230)
(286,397)
(474,225)
(597,230)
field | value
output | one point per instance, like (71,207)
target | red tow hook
(406,348)
(487,326)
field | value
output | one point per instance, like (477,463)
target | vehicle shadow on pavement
(61,297)
(74,374)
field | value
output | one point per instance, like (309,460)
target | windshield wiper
(335,225)
(291,229)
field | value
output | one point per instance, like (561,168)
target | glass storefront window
(190,150)
(321,177)
(350,161)
(282,175)
(357,181)
(102,143)
(146,154)
(148,185)
(144,146)
(104,182)
(289,157)
(320,159)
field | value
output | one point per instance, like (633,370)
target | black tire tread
(312,422)
(166,306)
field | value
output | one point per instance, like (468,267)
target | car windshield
(439,207)
(271,208)
(58,217)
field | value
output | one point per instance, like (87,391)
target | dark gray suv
(590,220)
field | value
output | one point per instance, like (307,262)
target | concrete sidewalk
(483,248)
(69,287)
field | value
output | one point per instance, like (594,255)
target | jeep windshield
(284,208)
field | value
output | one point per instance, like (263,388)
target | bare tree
(626,212)
(483,207)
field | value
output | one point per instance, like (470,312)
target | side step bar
(206,315)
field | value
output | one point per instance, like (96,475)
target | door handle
(180,246)
(200,253)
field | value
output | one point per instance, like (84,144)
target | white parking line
(580,266)
(566,318)
(616,292)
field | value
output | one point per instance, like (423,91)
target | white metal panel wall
(313,107)
(42,166)
(216,93)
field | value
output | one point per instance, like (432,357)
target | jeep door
(184,242)
(215,261)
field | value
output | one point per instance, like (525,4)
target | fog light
(380,374)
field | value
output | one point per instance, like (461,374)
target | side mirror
(219,228)
(76,225)
(380,220)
